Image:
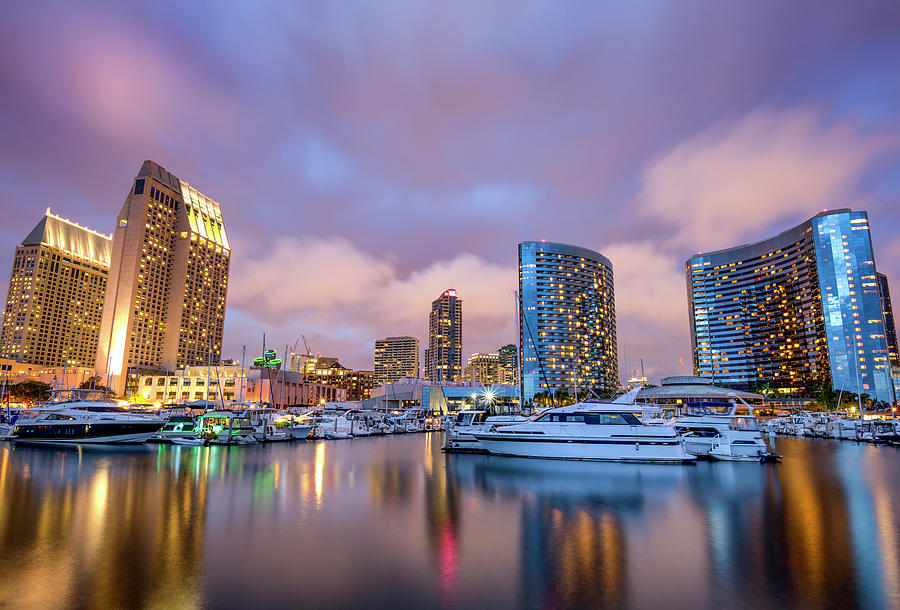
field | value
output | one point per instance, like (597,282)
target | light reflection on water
(392,521)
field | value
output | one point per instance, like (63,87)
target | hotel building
(56,291)
(483,368)
(396,358)
(567,320)
(890,328)
(165,304)
(443,358)
(793,312)
(509,364)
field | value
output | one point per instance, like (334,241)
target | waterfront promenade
(376,522)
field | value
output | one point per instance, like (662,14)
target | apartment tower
(165,304)
(396,358)
(443,357)
(56,290)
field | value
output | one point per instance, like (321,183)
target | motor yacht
(723,435)
(83,416)
(462,428)
(589,430)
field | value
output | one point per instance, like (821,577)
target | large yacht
(588,431)
(83,416)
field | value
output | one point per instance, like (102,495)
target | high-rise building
(396,358)
(887,312)
(165,304)
(483,368)
(55,297)
(509,364)
(567,320)
(443,357)
(792,312)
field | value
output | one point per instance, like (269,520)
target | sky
(369,155)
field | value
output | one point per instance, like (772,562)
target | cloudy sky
(368,155)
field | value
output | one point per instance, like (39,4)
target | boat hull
(93,433)
(662,450)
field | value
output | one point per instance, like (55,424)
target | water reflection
(392,521)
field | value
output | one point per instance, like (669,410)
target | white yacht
(722,435)
(588,431)
(462,428)
(83,416)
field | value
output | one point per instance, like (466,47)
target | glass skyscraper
(792,312)
(567,320)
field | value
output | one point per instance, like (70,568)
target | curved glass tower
(793,312)
(567,320)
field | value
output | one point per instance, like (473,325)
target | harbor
(393,521)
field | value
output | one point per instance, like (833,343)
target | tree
(29,392)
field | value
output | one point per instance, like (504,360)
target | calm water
(391,521)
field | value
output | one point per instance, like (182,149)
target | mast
(208,371)
(518,349)
(243,355)
(281,399)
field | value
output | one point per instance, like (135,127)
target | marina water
(374,522)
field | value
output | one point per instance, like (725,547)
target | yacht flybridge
(83,416)
(588,431)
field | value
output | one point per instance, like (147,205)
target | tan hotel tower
(168,279)
(56,291)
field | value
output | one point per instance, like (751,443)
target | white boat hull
(663,450)
(140,437)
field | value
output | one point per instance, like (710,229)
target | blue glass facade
(567,320)
(797,310)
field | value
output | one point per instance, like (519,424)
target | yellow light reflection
(320,473)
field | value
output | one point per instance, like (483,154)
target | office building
(567,320)
(443,357)
(483,368)
(887,313)
(509,364)
(56,291)
(794,312)
(165,303)
(396,358)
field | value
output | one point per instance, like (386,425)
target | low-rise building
(686,388)
(234,384)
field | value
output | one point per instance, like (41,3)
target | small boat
(732,435)
(225,427)
(461,430)
(190,442)
(176,427)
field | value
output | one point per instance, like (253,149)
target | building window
(139,186)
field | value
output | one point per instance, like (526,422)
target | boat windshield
(79,395)
(745,423)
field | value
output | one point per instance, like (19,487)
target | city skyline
(293,127)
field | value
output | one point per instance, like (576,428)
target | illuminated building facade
(328,371)
(890,328)
(567,320)
(483,368)
(56,291)
(396,358)
(234,383)
(165,306)
(792,312)
(443,357)
(509,364)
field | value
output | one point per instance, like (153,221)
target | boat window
(576,418)
(745,423)
(613,419)
(101,409)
